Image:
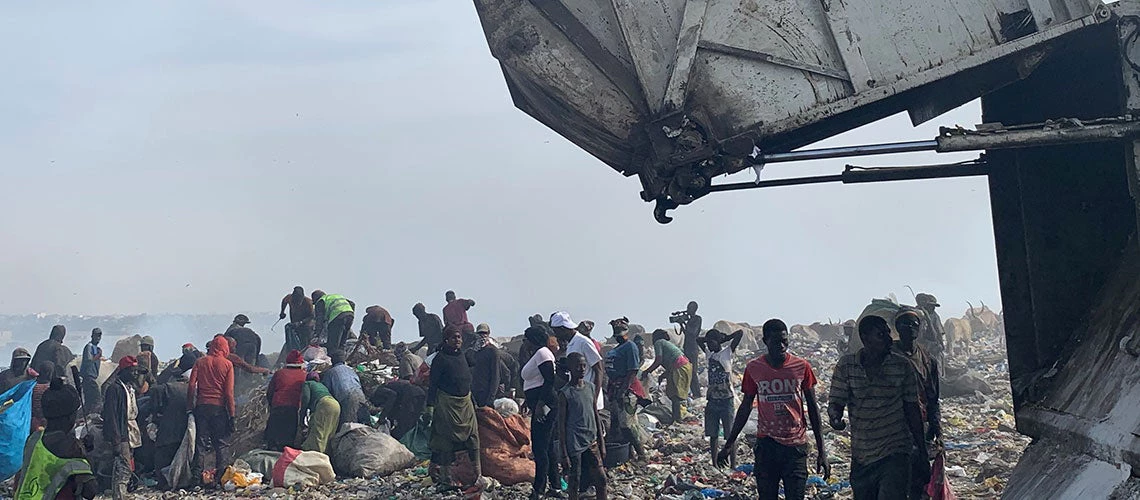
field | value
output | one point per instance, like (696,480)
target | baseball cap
(562,319)
(242,319)
(483,327)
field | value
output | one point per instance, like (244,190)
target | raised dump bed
(679,91)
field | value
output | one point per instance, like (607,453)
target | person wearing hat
(89,372)
(908,323)
(55,464)
(174,369)
(239,322)
(169,407)
(622,365)
(211,393)
(120,421)
(323,413)
(248,342)
(147,359)
(484,359)
(17,370)
(53,349)
(566,330)
(284,396)
(932,336)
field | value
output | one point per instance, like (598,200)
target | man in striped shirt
(879,389)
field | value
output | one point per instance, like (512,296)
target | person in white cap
(567,331)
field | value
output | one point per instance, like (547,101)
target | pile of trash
(981,444)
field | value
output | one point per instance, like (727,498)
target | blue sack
(15,425)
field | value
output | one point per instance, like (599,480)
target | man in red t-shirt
(781,384)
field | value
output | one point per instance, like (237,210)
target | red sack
(939,486)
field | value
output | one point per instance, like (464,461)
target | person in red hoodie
(211,393)
(284,396)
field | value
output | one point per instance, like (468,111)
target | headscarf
(536,335)
(58,332)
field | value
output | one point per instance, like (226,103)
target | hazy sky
(208,156)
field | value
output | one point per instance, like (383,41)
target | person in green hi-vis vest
(55,465)
(334,314)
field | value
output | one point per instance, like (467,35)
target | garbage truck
(682,92)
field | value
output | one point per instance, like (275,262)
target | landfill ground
(981,449)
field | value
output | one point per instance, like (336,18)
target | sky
(208,156)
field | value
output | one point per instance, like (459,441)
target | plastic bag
(178,474)
(939,486)
(240,475)
(261,461)
(417,439)
(15,425)
(361,451)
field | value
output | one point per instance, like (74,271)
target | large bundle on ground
(305,468)
(361,451)
(504,445)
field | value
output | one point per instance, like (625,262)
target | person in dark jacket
(53,349)
(431,329)
(175,369)
(17,371)
(401,403)
(284,396)
(376,327)
(484,360)
(120,422)
(168,402)
(247,344)
(453,426)
(60,462)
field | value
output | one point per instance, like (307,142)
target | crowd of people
(581,397)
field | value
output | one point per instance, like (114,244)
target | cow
(958,336)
